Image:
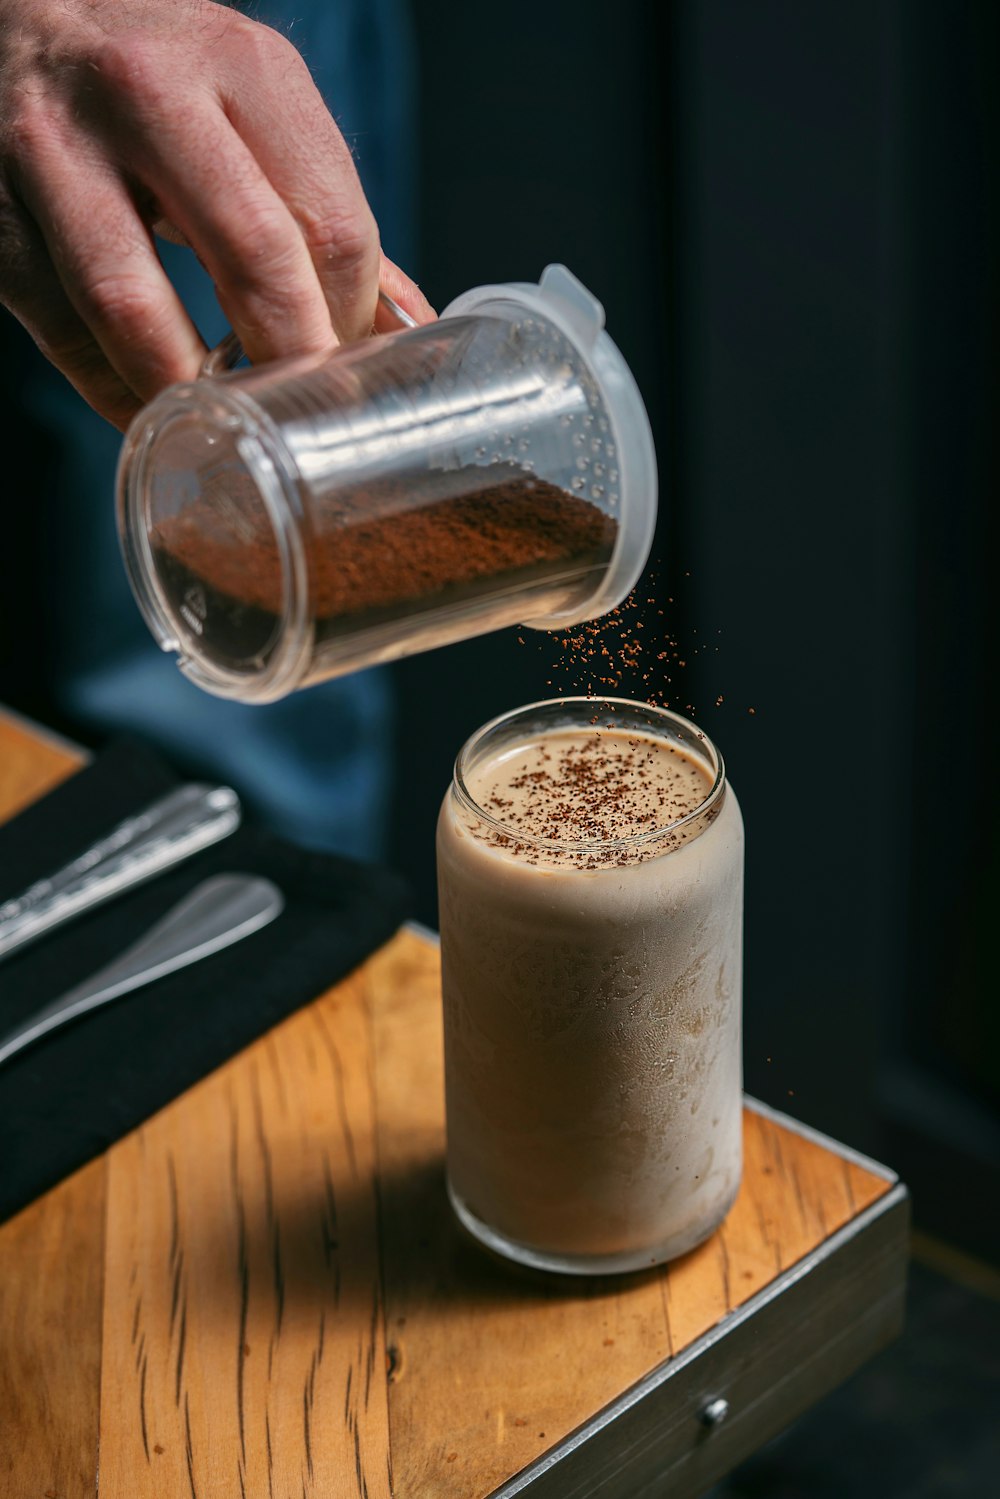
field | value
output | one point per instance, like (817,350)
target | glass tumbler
(291,522)
(592,990)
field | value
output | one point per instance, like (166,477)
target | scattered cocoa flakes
(590,794)
(605,657)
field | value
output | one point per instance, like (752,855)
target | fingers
(102,255)
(404,292)
(276,108)
(212,191)
(30,289)
(240,160)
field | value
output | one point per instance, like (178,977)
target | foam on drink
(589,797)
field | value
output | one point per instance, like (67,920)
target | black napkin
(70,1095)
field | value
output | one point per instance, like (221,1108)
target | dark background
(790,212)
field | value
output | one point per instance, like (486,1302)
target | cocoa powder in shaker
(373,558)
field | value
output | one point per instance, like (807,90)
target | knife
(170,829)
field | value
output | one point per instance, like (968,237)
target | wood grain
(243,1329)
(491,1365)
(51,1272)
(51,1263)
(30,765)
(262,1293)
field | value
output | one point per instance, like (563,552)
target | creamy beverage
(590,861)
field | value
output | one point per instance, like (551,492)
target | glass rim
(636,840)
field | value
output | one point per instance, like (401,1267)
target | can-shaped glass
(590,876)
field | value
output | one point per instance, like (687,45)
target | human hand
(118,117)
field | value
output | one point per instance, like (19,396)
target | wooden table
(261,1292)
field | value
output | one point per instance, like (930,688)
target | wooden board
(30,765)
(261,1292)
(491,1366)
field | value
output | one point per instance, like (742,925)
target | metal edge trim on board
(425,933)
(670,1368)
(818,1138)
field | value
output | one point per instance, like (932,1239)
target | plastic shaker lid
(579,316)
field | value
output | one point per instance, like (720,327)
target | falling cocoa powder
(624,654)
(380,553)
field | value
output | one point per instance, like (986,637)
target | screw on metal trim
(714,1412)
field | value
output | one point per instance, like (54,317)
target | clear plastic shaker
(292,522)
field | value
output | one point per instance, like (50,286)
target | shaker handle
(229,351)
(399,313)
(225,356)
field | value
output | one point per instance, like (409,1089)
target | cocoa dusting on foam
(599,789)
